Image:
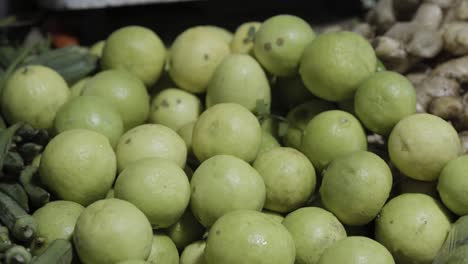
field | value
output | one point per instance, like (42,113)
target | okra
(17,255)
(29,151)
(20,224)
(37,195)
(59,251)
(16,191)
(5,241)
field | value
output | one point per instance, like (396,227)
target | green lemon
(125,91)
(163,250)
(222,33)
(234,69)
(356,250)
(273,215)
(335,63)
(112,230)
(97,48)
(384,99)
(193,253)
(186,230)
(289,92)
(154,179)
(247,236)
(412,227)
(313,230)
(280,42)
(289,178)
(194,56)
(227,128)
(137,50)
(420,145)
(299,117)
(453,183)
(78,87)
(33,94)
(93,113)
(243,40)
(331,134)
(222,184)
(350,180)
(78,165)
(174,108)
(150,140)
(268,143)
(55,220)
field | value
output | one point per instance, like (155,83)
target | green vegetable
(6,137)
(37,195)
(41,138)
(29,151)
(5,241)
(25,133)
(13,163)
(71,62)
(58,252)
(17,193)
(21,225)
(17,255)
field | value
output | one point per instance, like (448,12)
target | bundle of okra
(20,194)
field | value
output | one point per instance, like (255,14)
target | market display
(281,142)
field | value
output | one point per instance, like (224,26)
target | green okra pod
(5,241)
(17,192)
(21,225)
(37,195)
(17,255)
(59,251)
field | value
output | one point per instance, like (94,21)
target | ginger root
(447,107)
(416,77)
(456,69)
(455,37)
(407,43)
(382,15)
(404,9)
(441,3)
(428,15)
(392,54)
(433,87)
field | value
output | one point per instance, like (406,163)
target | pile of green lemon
(245,147)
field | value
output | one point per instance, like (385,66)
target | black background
(169,19)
